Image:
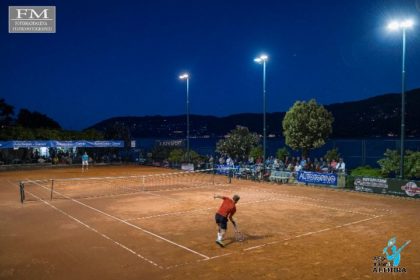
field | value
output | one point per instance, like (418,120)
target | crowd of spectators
(292,164)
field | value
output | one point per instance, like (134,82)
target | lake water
(355,152)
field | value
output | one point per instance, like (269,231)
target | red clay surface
(291,232)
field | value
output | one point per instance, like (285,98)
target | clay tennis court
(168,231)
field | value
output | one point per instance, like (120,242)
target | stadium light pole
(402,25)
(186,77)
(262,59)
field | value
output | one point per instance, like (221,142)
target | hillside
(378,116)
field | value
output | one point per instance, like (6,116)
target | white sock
(219,237)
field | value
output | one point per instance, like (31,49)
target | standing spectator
(85,162)
(221,160)
(229,161)
(341,166)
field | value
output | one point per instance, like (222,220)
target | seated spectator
(276,164)
(333,166)
(324,166)
(281,165)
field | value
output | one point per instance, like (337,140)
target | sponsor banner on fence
(368,184)
(317,178)
(388,186)
(225,169)
(61,144)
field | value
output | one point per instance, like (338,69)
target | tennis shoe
(220,243)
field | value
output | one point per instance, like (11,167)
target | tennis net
(32,190)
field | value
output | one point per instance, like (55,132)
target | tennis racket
(239,236)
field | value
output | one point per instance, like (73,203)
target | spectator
(324,166)
(276,164)
(341,166)
(333,165)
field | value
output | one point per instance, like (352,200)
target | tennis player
(85,162)
(225,212)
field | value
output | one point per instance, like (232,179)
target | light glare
(394,25)
(261,58)
(184,76)
(407,23)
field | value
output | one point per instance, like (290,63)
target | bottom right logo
(391,258)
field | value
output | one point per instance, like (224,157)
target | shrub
(367,171)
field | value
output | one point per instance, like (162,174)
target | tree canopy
(29,119)
(6,113)
(36,126)
(306,126)
(238,143)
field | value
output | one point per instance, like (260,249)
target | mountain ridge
(377,116)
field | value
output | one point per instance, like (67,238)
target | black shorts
(221,221)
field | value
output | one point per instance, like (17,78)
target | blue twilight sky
(123,58)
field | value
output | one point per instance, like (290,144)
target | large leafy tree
(238,143)
(306,126)
(29,119)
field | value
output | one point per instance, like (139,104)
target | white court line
(96,231)
(197,261)
(272,199)
(310,198)
(129,224)
(189,211)
(243,203)
(311,233)
(315,205)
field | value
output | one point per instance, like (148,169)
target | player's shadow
(247,237)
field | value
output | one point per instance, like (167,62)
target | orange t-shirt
(228,208)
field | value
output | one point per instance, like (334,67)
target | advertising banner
(397,187)
(61,144)
(317,178)
(372,185)
(225,169)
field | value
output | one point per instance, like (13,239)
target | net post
(22,191)
(52,189)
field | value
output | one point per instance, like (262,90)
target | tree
(282,153)
(332,154)
(306,126)
(256,152)
(238,143)
(6,113)
(390,164)
(176,156)
(413,164)
(29,119)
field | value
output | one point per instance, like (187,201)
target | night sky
(123,58)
